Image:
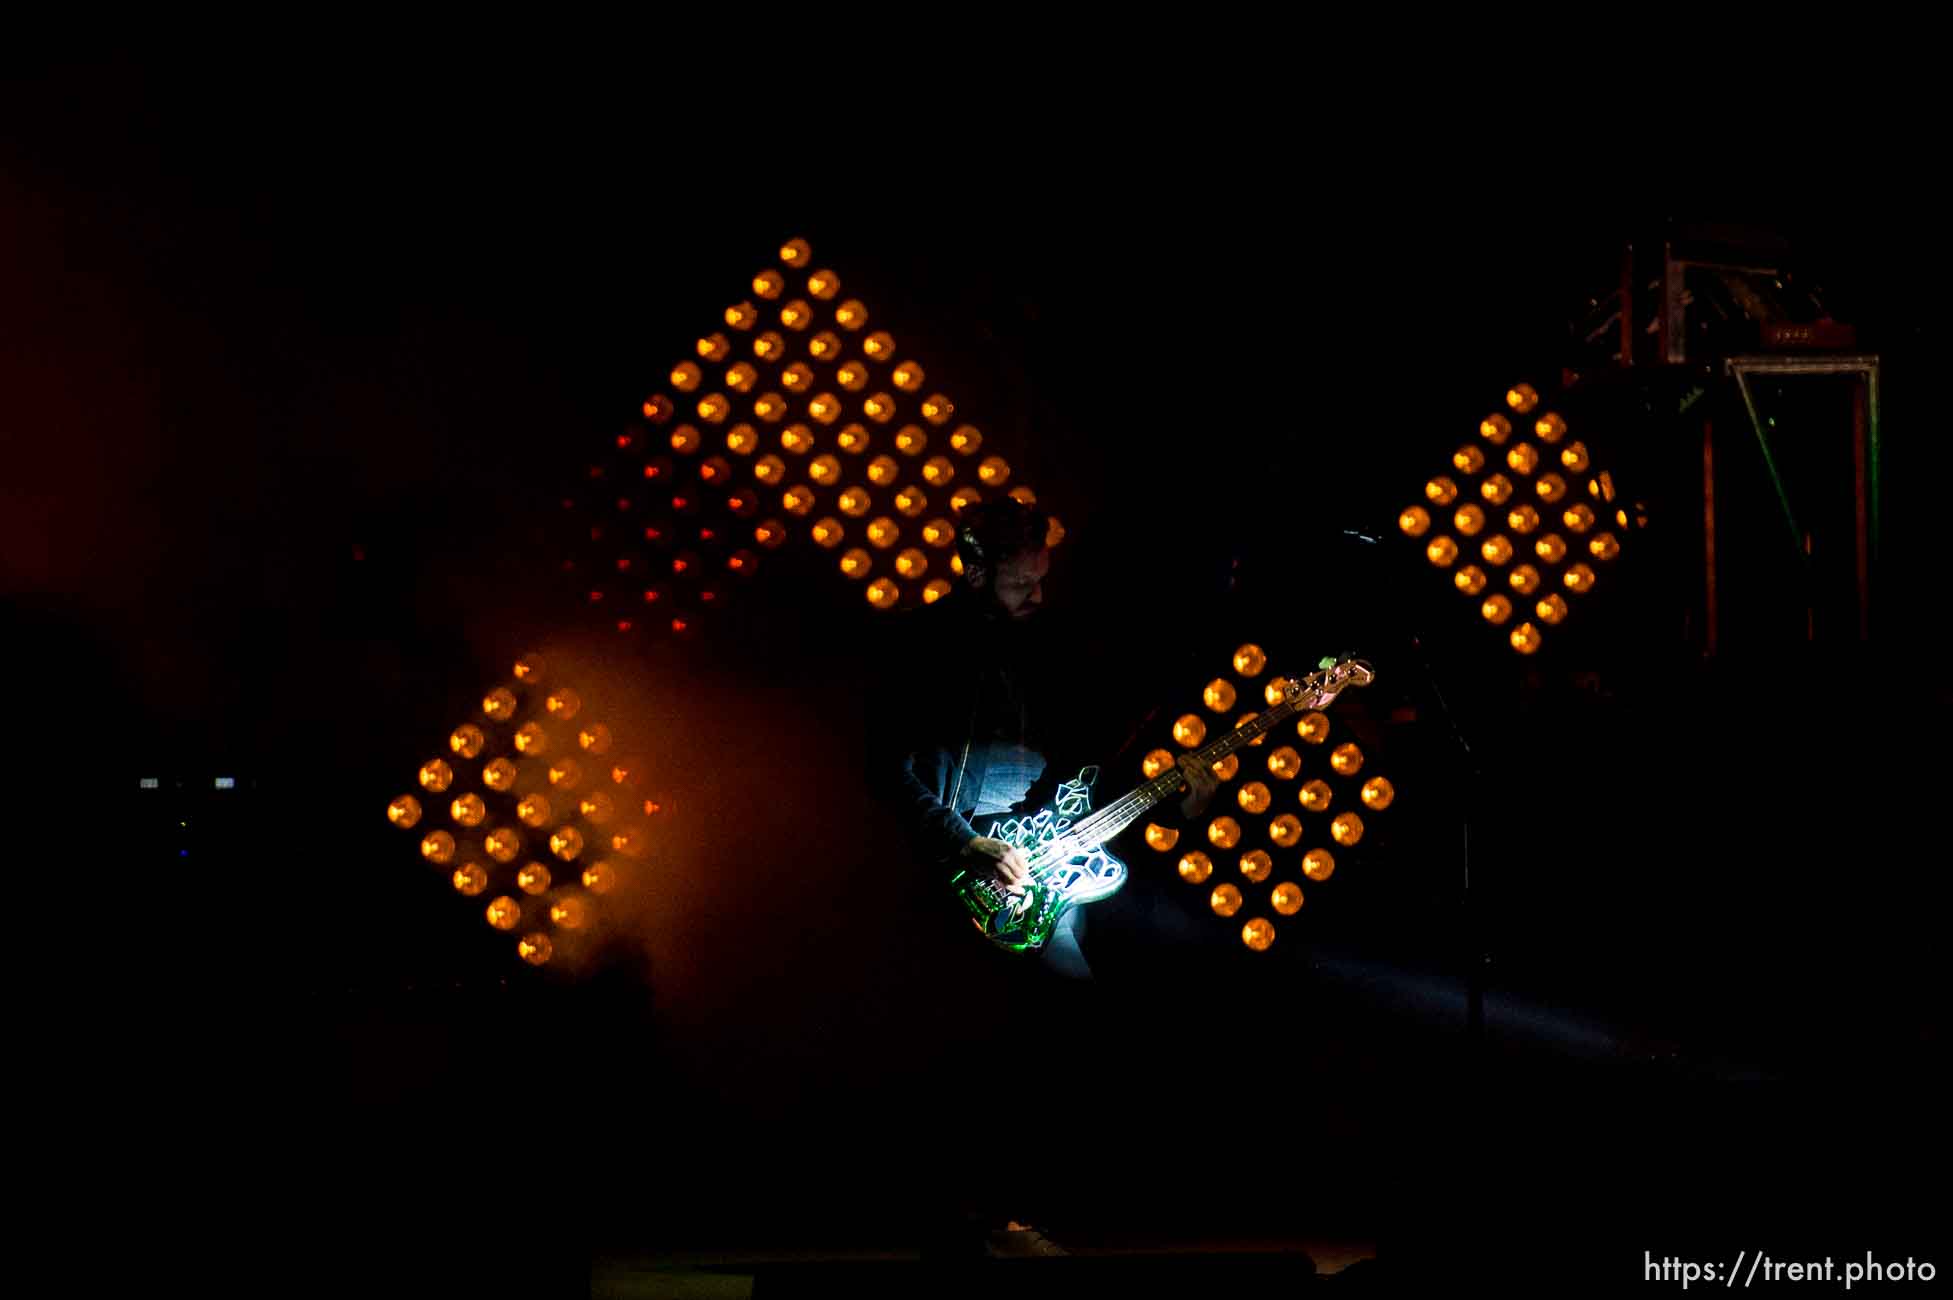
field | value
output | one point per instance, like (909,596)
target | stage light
(966,440)
(911,440)
(564,773)
(911,563)
(824,469)
(797,315)
(907,377)
(469,879)
(1441,550)
(600,877)
(769,346)
(1578,518)
(530,740)
(1574,456)
(1497,608)
(533,810)
(1346,760)
(1468,520)
(1249,660)
(1274,691)
(435,776)
(828,531)
(797,500)
(879,407)
(1189,731)
(855,563)
(1318,864)
(566,842)
(595,739)
(1313,727)
(910,502)
(498,704)
(742,440)
(1468,459)
(770,533)
(1285,763)
(535,948)
(853,439)
(1496,549)
(934,590)
(469,810)
(853,377)
(1550,487)
(404,812)
(504,912)
(851,315)
(713,347)
(1346,828)
(1550,428)
(854,502)
(771,408)
(1524,579)
(883,532)
(1054,532)
(1194,867)
(437,847)
(938,470)
(769,284)
(1227,767)
(563,704)
(1525,639)
(1286,898)
(823,284)
(1161,839)
(795,252)
(1495,429)
(533,878)
(769,469)
(883,594)
(742,315)
(1579,578)
(570,913)
(1224,832)
(1256,864)
(1496,489)
(1286,831)
(938,409)
(1377,793)
(685,376)
(1218,695)
(1551,548)
(1155,762)
(825,408)
(1315,796)
(597,808)
(1552,609)
(1253,797)
(879,346)
(1603,546)
(1225,900)
(1414,521)
(1523,519)
(1441,491)
(499,775)
(824,346)
(963,498)
(1470,579)
(1522,459)
(1522,398)
(503,844)
(797,378)
(1258,934)
(883,470)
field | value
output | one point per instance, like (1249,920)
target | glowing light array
(1531,516)
(796,405)
(532,809)
(1284,815)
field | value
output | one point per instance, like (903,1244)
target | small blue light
(227,783)
(183,853)
(152,783)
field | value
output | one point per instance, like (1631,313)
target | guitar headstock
(1329,680)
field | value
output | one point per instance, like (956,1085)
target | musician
(990,723)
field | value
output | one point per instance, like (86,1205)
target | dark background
(297,364)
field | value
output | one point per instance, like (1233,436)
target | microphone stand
(1476,958)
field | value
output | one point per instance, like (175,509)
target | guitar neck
(1117,816)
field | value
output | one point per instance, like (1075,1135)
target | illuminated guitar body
(1066,869)
(1064,843)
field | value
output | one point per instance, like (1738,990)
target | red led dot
(652,807)
(706,534)
(624,441)
(624,564)
(679,625)
(679,503)
(708,596)
(596,534)
(678,566)
(596,596)
(623,625)
(569,566)
(651,597)
(568,504)
(652,471)
(596,471)
(623,503)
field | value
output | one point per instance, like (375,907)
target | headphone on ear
(976,563)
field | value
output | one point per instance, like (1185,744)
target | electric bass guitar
(1064,843)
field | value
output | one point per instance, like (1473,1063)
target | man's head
(1002,544)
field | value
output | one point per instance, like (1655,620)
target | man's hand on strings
(1201,784)
(1004,860)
